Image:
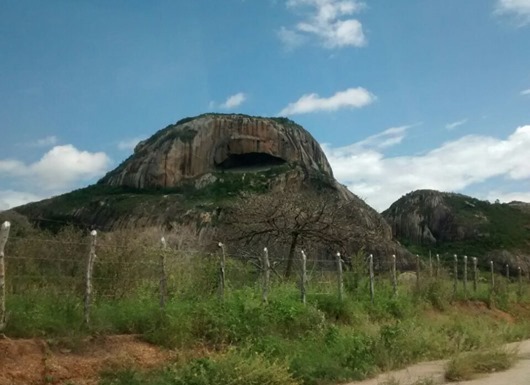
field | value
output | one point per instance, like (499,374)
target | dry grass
(468,366)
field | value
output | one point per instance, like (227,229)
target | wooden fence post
(90,266)
(4,235)
(266,275)
(475,274)
(303,278)
(437,265)
(394,275)
(508,272)
(455,275)
(465,276)
(520,281)
(492,282)
(163,274)
(222,274)
(371,267)
(418,272)
(339,277)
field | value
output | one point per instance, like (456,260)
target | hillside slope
(192,172)
(456,223)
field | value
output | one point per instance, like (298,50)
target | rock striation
(195,147)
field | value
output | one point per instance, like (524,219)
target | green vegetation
(228,369)
(498,226)
(327,341)
(468,226)
(247,341)
(467,366)
(89,205)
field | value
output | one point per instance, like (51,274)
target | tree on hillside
(301,218)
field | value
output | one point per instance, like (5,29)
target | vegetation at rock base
(282,341)
(96,204)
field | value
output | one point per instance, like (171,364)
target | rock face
(423,217)
(191,174)
(457,223)
(195,147)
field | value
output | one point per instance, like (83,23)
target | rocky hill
(192,172)
(456,223)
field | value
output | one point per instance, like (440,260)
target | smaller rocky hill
(456,223)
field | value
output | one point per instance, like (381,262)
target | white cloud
(45,142)
(451,167)
(350,98)
(329,21)
(58,168)
(290,38)
(10,198)
(509,197)
(129,144)
(387,138)
(518,8)
(234,101)
(525,92)
(453,125)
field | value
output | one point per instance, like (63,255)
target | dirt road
(519,374)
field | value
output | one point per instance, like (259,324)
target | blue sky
(401,94)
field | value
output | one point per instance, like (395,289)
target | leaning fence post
(89,268)
(465,276)
(222,275)
(303,278)
(266,274)
(475,274)
(455,275)
(339,277)
(163,275)
(394,275)
(4,234)
(371,267)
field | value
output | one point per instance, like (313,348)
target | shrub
(233,369)
(466,366)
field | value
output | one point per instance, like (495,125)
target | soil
(36,361)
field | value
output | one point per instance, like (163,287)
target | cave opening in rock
(250,161)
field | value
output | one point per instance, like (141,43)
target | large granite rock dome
(194,147)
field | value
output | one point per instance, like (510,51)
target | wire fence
(117,265)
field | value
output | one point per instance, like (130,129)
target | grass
(468,366)
(327,341)
(324,342)
(228,369)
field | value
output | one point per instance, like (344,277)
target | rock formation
(211,143)
(456,223)
(191,174)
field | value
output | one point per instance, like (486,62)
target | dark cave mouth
(250,161)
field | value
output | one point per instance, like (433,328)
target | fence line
(163,265)
(4,235)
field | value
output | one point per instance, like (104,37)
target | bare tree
(300,218)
